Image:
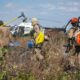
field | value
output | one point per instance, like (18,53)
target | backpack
(77,37)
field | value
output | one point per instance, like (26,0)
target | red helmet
(74,20)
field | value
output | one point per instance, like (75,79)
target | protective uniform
(71,33)
(74,22)
(39,39)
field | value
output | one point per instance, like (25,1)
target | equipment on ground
(30,44)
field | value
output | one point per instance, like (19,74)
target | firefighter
(71,32)
(38,38)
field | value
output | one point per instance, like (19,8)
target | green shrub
(2,75)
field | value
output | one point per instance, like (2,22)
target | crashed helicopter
(23,28)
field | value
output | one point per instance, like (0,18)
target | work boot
(68,48)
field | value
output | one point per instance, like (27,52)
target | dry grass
(5,36)
(54,66)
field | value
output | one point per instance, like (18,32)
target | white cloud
(46,9)
(43,13)
(73,4)
(48,6)
(22,10)
(62,6)
(68,9)
(69,3)
(9,5)
(69,6)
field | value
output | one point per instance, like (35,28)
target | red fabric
(78,39)
(74,20)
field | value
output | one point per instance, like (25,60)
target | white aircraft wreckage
(23,28)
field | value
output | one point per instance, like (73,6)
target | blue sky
(53,13)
